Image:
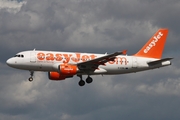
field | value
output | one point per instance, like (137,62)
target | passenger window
(22,56)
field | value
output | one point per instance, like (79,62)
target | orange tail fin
(155,46)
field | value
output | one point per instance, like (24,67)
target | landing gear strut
(82,82)
(31,78)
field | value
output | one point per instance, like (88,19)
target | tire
(30,79)
(89,80)
(81,83)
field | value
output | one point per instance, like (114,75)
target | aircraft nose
(9,62)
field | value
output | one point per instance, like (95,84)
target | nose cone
(9,62)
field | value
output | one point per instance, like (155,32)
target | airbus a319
(62,65)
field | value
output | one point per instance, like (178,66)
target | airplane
(62,65)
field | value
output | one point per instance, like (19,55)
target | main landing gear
(31,78)
(82,82)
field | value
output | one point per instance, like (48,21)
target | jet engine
(67,69)
(64,71)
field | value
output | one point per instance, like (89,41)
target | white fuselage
(49,60)
(62,65)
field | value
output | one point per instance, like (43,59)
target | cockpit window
(19,56)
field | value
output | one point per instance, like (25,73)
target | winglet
(155,46)
(124,52)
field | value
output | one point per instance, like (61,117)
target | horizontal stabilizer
(159,61)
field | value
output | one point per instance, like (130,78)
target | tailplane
(155,46)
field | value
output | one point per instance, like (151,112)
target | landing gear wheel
(89,80)
(30,79)
(81,83)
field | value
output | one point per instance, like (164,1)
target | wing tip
(124,52)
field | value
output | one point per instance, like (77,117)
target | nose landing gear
(31,78)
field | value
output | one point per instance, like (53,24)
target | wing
(92,65)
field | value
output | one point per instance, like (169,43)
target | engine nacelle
(57,76)
(66,69)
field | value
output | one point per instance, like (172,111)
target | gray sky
(89,26)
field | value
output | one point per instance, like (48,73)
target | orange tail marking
(155,46)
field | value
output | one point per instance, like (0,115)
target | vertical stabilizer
(155,46)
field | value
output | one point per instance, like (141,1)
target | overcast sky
(98,26)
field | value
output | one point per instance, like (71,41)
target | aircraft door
(33,57)
(135,64)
